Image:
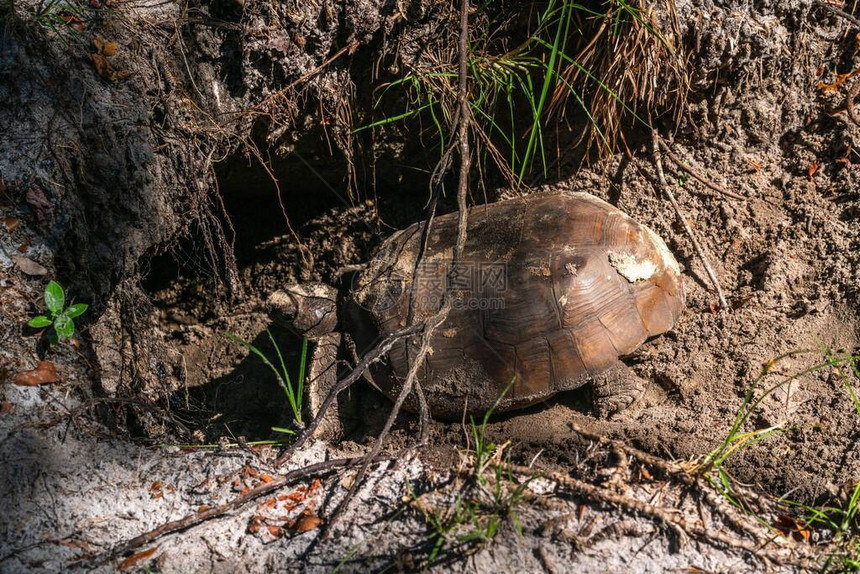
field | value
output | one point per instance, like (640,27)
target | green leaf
(54,297)
(64,327)
(40,321)
(76,310)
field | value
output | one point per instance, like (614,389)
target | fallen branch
(696,175)
(666,189)
(220,510)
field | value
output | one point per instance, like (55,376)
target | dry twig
(667,190)
(839,12)
(696,175)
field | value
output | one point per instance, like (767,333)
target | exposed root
(793,555)
(686,473)
(431,324)
(668,191)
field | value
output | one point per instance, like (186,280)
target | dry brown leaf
(134,559)
(5,407)
(104,48)
(11,223)
(109,49)
(28,266)
(74,22)
(790,525)
(105,70)
(840,79)
(306,523)
(813,168)
(36,199)
(45,373)
(256,523)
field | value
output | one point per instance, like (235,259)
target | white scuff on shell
(632,268)
(669,260)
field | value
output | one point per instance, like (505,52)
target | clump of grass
(478,512)
(611,58)
(293,392)
(482,504)
(630,66)
(842,522)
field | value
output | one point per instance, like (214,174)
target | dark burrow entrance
(304,228)
(227,391)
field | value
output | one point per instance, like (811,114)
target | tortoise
(551,291)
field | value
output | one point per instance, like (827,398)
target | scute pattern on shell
(584,285)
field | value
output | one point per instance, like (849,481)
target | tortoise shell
(552,289)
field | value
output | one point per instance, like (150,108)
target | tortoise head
(307,309)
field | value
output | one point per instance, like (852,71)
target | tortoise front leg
(322,378)
(616,389)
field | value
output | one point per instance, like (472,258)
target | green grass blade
(288,387)
(392,119)
(300,384)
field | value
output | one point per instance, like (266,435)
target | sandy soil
(68,496)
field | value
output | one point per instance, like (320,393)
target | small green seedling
(62,317)
(294,392)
